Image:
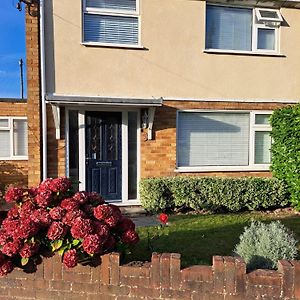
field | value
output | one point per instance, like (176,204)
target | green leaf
(24,261)
(55,245)
(75,242)
(61,251)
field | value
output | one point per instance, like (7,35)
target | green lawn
(199,237)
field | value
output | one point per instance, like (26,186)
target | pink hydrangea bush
(51,217)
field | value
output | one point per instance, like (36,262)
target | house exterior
(130,89)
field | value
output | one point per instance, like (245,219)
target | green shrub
(262,245)
(286,149)
(212,193)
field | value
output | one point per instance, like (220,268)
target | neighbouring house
(144,88)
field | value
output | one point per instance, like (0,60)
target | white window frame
(263,19)
(112,12)
(252,129)
(10,128)
(256,24)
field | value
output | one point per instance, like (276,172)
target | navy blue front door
(104,153)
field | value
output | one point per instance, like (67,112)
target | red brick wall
(158,156)
(13,171)
(160,279)
(33,96)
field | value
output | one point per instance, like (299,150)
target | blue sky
(12,49)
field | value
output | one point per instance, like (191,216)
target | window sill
(14,158)
(124,46)
(236,52)
(254,168)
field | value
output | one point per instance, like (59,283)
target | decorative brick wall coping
(160,279)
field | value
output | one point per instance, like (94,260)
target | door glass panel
(112,141)
(132,155)
(73,147)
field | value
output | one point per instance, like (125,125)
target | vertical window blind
(228,28)
(213,139)
(20,147)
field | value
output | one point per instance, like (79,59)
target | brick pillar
(33,96)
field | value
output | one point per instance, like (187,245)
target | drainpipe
(43,90)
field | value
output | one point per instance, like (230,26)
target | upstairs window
(111,22)
(13,136)
(242,29)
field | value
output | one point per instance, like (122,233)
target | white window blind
(20,147)
(4,143)
(213,139)
(112,4)
(110,29)
(228,28)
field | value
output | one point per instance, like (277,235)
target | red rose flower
(126,224)
(81,197)
(12,248)
(27,229)
(88,209)
(112,221)
(163,218)
(70,258)
(72,215)
(41,217)
(92,244)
(57,213)
(10,226)
(13,213)
(56,231)
(101,229)
(130,237)
(61,184)
(27,209)
(81,228)
(102,212)
(6,267)
(32,192)
(29,249)
(69,204)
(4,237)
(14,195)
(45,185)
(44,198)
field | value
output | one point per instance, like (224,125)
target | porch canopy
(148,106)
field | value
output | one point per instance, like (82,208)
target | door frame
(124,131)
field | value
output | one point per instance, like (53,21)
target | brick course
(161,278)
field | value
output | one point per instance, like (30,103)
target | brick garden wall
(158,156)
(13,171)
(160,279)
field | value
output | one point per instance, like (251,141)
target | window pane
(3,122)
(132,155)
(20,138)
(228,28)
(5,143)
(213,139)
(266,39)
(110,29)
(263,119)
(73,147)
(112,4)
(268,14)
(262,147)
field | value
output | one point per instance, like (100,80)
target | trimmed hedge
(212,193)
(286,149)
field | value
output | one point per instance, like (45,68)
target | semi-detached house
(144,88)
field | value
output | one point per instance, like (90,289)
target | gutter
(43,90)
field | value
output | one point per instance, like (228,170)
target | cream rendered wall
(173,64)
